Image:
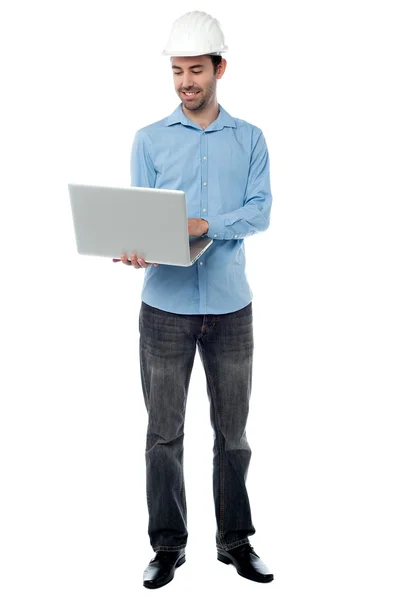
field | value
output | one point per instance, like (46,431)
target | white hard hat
(194,34)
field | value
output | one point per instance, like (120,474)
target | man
(222,164)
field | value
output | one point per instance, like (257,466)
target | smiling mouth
(190,95)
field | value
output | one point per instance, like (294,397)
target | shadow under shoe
(161,568)
(247,563)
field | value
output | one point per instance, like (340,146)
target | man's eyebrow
(192,66)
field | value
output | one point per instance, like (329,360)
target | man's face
(195,74)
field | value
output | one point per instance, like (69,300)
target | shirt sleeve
(142,170)
(254,216)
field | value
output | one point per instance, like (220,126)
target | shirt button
(201,263)
(204,157)
(205,183)
(235,235)
(215,235)
(204,210)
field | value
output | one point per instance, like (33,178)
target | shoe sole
(227,561)
(151,586)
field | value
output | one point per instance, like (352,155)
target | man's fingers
(124,259)
(137,263)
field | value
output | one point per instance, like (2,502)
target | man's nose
(187,82)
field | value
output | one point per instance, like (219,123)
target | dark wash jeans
(168,343)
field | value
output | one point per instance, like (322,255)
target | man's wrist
(206,226)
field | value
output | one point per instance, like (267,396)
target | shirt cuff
(215,228)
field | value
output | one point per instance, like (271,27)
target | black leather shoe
(247,563)
(161,568)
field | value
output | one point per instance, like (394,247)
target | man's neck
(203,118)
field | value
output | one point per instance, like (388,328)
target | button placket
(204,173)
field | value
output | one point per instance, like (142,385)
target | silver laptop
(149,222)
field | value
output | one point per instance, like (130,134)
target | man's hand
(197,226)
(137,263)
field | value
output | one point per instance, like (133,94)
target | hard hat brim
(190,53)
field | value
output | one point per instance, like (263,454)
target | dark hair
(216,60)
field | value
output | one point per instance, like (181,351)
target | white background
(79,78)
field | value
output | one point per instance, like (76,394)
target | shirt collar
(223,119)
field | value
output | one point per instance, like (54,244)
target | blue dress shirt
(224,171)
